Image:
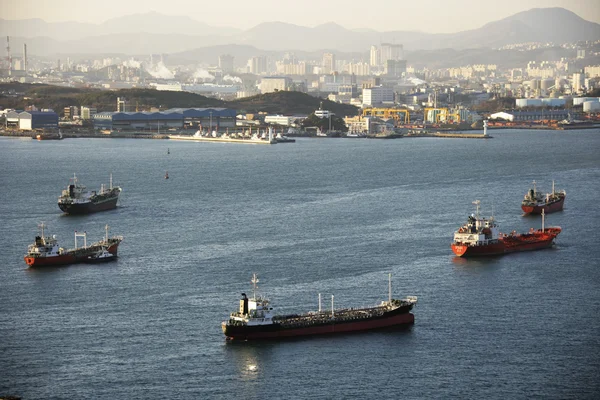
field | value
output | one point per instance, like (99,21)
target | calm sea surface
(330,216)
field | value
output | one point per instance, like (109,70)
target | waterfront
(322,216)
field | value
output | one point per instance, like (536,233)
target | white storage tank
(546,84)
(580,100)
(529,103)
(554,102)
(591,106)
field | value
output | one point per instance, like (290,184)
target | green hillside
(289,103)
(19,96)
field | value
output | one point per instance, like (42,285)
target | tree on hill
(337,123)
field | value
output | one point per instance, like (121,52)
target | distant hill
(158,33)
(151,22)
(57,97)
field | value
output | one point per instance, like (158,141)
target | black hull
(88,208)
(399,316)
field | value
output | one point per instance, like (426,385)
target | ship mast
(332,312)
(543,219)
(476,202)
(42,226)
(106,235)
(319,302)
(390,289)
(552,186)
(111,181)
(254,282)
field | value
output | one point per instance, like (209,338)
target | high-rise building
(88,112)
(328,63)
(274,84)
(391,51)
(226,63)
(121,104)
(395,68)
(578,82)
(378,95)
(374,59)
(25,57)
(258,65)
(71,112)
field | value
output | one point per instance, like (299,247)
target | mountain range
(157,33)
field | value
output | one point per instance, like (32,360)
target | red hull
(547,208)
(399,319)
(64,259)
(511,244)
(462,250)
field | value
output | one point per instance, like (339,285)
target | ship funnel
(244,304)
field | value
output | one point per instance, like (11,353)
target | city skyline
(437,17)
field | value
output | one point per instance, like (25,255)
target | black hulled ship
(255,319)
(76,199)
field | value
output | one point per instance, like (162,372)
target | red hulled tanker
(481,237)
(255,320)
(45,251)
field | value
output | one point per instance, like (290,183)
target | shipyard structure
(172,119)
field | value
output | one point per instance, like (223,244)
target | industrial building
(378,95)
(30,120)
(174,118)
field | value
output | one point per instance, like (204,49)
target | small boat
(101,256)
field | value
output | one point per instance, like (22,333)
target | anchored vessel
(535,202)
(77,200)
(45,251)
(48,136)
(255,319)
(481,237)
(246,137)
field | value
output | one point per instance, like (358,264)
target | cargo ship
(255,319)
(535,202)
(45,251)
(481,237)
(77,200)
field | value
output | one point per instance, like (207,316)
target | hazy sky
(428,16)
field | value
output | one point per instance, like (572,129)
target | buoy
(167,175)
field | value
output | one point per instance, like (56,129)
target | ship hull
(276,331)
(510,244)
(546,208)
(73,257)
(463,250)
(89,207)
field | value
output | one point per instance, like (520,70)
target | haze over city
(434,16)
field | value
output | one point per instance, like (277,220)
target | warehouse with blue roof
(174,118)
